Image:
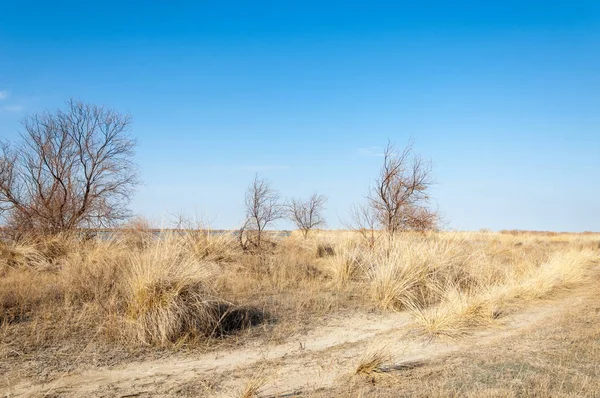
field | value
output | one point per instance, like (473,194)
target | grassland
(435,314)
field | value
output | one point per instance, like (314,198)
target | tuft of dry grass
(343,263)
(252,388)
(456,316)
(167,293)
(19,255)
(372,362)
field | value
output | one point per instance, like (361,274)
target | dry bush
(167,293)
(55,248)
(562,270)
(290,284)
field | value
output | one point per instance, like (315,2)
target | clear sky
(503,97)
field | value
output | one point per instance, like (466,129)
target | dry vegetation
(555,356)
(71,301)
(138,293)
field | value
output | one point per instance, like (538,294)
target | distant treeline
(545,233)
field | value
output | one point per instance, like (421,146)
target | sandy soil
(306,362)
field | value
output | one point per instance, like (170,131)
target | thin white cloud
(371,151)
(13,108)
(3,94)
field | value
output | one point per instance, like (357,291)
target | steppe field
(335,314)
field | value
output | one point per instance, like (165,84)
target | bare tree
(263,207)
(399,199)
(307,214)
(364,221)
(73,168)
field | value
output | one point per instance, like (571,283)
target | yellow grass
(489,298)
(137,289)
(252,388)
(556,356)
(167,292)
(372,361)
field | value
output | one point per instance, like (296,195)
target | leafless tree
(307,215)
(263,207)
(195,228)
(73,168)
(399,199)
(364,221)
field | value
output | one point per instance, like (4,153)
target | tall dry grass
(454,282)
(139,289)
(145,291)
(167,292)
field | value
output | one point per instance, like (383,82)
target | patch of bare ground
(552,351)
(549,349)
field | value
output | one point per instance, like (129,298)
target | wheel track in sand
(304,362)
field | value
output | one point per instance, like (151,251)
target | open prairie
(189,313)
(300,199)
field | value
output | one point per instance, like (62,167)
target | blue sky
(503,97)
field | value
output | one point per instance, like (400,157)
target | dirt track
(306,362)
